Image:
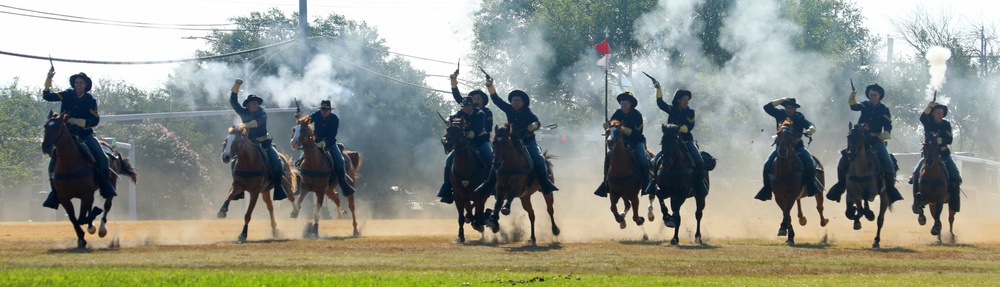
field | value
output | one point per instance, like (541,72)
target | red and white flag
(605,49)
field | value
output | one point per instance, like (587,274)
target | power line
(147,62)
(113,21)
(113,24)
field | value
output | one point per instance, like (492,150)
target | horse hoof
(101,232)
(242,238)
(222,214)
(640,221)
(936,231)
(922,219)
(91,229)
(876,246)
(505,211)
(823,222)
(857,225)
(356,233)
(531,242)
(621,224)
(645,237)
(790,242)
(295,214)
(673,241)
(650,215)
(619,218)
(697,239)
(782,232)
(555,231)
(81,244)
(870,215)
(459,240)
(802,221)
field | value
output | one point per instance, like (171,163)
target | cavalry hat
(521,94)
(627,96)
(467,101)
(678,95)
(945,108)
(486,98)
(790,102)
(81,75)
(877,88)
(253,97)
(325,104)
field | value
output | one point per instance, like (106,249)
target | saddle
(88,157)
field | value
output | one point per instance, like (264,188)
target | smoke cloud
(937,57)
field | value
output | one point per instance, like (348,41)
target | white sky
(437,29)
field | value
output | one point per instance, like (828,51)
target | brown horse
(73,176)
(864,181)
(623,176)
(314,175)
(786,180)
(513,168)
(674,176)
(933,183)
(250,174)
(468,172)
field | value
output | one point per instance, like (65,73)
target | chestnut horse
(786,180)
(314,175)
(250,174)
(623,176)
(933,183)
(864,180)
(468,172)
(513,167)
(73,176)
(674,176)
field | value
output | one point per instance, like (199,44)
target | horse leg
(225,205)
(526,204)
(883,205)
(802,217)
(614,210)
(314,229)
(68,206)
(493,222)
(649,210)
(549,201)
(336,201)
(286,183)
(634,198)
(951,223)
(87,214)
(460,206)
(246,217)
(270,212)
(675,221)
(354,215)
(936,208)
(663,208)
(510,199)
(103,230)
(819,207)
(700,207)
(298,201)
(868,211)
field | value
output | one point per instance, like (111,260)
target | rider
(474,131)
(83,117)
(631,121)
(255,120)
(325,127)
(879,121)
(938,129)
(800,125)
(524,123)
(682,115)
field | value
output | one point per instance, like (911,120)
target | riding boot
(954,198)
(107,189)
(445,193)
(488,186)
(810,182)
(345,188)
(918,198)
(51,201)
(700,186)
(765,192)
(602,190)
(543,180)
(279,189)
(890,186)
(837,190)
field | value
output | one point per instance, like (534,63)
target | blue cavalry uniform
(800,125)
(524,124)
(83,117)
(632,125)
(474,132)
(487,113)
(879,121)
(685,119)
(256,124)
(940,132)
(325,130)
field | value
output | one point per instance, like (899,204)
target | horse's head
(614,132)
(856,138)
(455,135)
(302,135)
(931,148)
(786,138)
(234,142)
(671,140)
(502,142)
(55,129)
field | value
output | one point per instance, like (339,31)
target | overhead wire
(147,62)
(112,21)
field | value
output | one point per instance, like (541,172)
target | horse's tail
(126,168)
(356,161)
(548,161)
(293,177)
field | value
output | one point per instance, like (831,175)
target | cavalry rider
(474,131)
(524,123)
(631,122)
(481,100)
(325,126)
(800,125)
(255,120)
(879,121)
(938,129)
(682,115)
(83,117)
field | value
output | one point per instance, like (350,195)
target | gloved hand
(852,100)
(659,92)
(78,122)
(48,78)
(778,102)
(810,131)
(321,144)
(489,86)
(533,126)
(683,129)
(454,80)
(236,86)
(627,131)
(930,106)
(940,141)
(607,125)
(251,124)
(884,136)
(470,135)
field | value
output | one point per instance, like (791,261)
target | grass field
(204,253)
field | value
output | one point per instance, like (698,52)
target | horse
(864,181)
(513,165)
(314,175)
(674,176)
(250,174)
(786,180)
(933,183)
(73,175)
(468,172)
(623,176)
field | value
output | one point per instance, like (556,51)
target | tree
(21,119)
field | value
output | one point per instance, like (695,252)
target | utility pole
(303,36)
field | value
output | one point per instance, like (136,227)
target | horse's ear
(496,129)
(849,126)
(51,113)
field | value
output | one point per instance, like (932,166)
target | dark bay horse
(74,175)
(864,180)
(786,180)
(513,168)
(314,175)
(623,176)
(674,176)
(933,183)
(250,174)
(468,172)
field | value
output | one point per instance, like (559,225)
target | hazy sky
(437,29)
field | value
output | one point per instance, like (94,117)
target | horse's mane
(786,122)
(241,129)
(302,120)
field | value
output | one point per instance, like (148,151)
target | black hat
(72,81)
(253,97)
(627,96)
(467,101)
(877,88)
(678,95)
(940,107)
(521,94)
(790,102)
(486,98)
(325,104)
